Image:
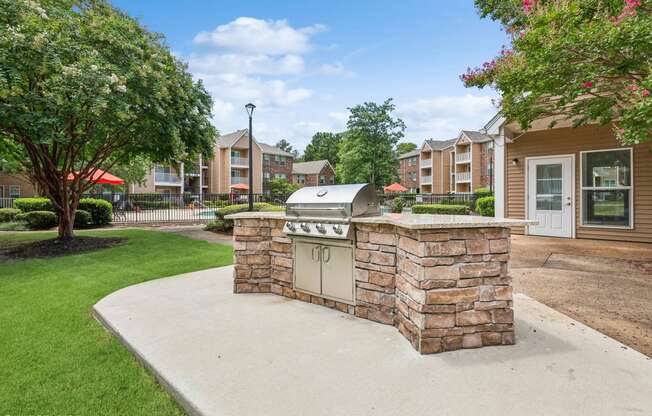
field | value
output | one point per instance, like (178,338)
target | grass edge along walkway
(56,358)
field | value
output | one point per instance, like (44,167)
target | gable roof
(440,144)
(227,140)
(476,136)
(273,150)
(410,154)
(309,168)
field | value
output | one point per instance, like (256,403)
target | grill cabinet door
(337,272)
(307,274)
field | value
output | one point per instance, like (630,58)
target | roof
(440,144)
(273,150)
(477,136)
(227,140)
(409,154)
(309,168)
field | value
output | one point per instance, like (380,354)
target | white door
(550,196)
(337,272)
(307,267)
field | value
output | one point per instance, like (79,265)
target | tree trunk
(66,224)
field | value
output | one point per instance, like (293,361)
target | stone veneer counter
(442,280)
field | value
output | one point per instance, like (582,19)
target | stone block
(469,282)
(439,320)
(441,272)
(416,294)
(469,270)
(444,249)
(499,246)
(473,317)
(467,234)
(282,261)
(303,296)
(433,236)
(362,255)
(452,296)
(410,245)
(508,338)
(491,338)
(367,246)
(382,238)
(436,284)
(471,341)
(362,275)
(495,304)
(487,293)
(383,259)
(381,279)
(430,345)
(373,297)
(502,316)
(477,246)
(503,293)
(437,261)
(384,317)
(281,247)
(283,275)
(452,343)
(362,236)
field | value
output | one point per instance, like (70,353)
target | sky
(304,63)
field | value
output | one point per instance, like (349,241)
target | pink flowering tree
(583,60)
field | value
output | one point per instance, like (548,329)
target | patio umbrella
(240,186)
(395,187)
(104,178)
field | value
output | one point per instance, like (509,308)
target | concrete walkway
(226,354)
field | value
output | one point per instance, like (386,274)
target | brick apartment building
(317,172)
(408,170)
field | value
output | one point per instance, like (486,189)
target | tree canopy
(287,147)
(367,149)
(405,147)
(280,186)
(582,60)
(324,146)
(84,87)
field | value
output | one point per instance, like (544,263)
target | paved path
(261,354)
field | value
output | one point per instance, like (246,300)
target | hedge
(482,192)
(38,220)
(8,214)
(234,209)
(82,218)
(33,204)
(485,206)
(440,209)
(101,211)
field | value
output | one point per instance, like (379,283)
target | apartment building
(472,156)
(435,163)
(277,164)
(408,170)
(16,186)
(316,172)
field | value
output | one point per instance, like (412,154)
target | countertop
(410,221)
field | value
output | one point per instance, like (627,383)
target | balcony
(239,179)
(426,179)
(463,157)
(426,163)
(239,161)
(167,178)
(463,177)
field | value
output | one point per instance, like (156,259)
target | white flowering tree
(84,87)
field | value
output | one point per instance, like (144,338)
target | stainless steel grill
(326,211)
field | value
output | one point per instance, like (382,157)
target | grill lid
(333,201)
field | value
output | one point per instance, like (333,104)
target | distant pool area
(207,214)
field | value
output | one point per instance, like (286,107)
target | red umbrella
(102,176)
(240,186)
(395,187)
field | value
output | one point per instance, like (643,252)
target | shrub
(8,214)
(234,209)
(485,206)
(101,211)
(440,209)
(82,218)
(217,225)
(33,204)
(38,220)
(398,204)
(482,192)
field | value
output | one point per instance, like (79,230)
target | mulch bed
(55,248)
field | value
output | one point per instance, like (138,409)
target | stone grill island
(441,280)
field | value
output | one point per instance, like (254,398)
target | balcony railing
(463,157)
(240,161)
(161,177)
(463,177)
(426,163)
(239,179)
(426,179)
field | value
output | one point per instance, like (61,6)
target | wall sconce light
(514,162)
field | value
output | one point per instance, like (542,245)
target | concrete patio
(225,354)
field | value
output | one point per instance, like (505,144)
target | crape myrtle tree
(581,60)
(367,149)
(83,87)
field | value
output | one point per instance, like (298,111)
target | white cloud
(246,64)
(443,117)
(250,35)
(336,69)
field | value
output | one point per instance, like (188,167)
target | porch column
(500,153)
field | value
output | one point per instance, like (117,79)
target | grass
(56,359)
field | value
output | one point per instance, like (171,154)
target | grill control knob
(321,228)
(337,229)
(291,226)
(305,227)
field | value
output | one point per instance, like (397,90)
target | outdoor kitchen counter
(409,221)
(441,280)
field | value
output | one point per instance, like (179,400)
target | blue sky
(304,62)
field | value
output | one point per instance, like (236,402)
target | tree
(367,149)
(84,87)
(280,186)
(323,146)
(581,60)
(405,147)
(134,171)
(287,147)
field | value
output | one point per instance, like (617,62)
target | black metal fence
(388,200)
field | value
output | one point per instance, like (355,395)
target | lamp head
(250,109)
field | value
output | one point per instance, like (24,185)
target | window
(14,191)
(331,180)
(280,176)
(607,188)
(267,175)
(322,179)
(266,157)
(301,179)
(235,153)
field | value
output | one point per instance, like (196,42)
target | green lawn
(55,359)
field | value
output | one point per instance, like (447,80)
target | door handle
(318,253)
(327,251)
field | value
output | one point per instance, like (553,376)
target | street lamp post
(250,111)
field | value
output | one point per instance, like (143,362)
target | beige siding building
(434,166)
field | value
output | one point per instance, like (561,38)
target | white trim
(499,174)
(573,191)
(630,188)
